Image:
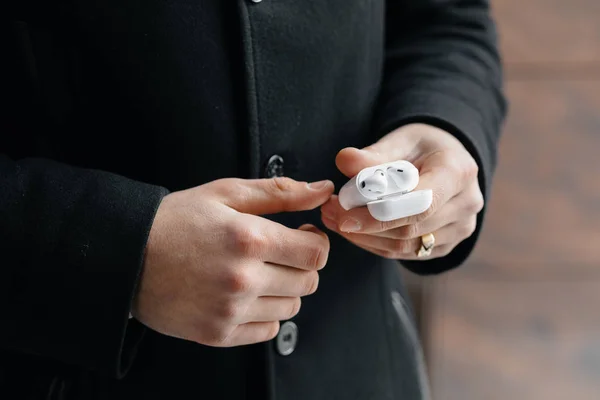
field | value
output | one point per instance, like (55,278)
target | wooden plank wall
(521,320)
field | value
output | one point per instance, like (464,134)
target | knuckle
(454,165)
(229,188)
(222,185)
(436,203)
(313,256)
(401,247)
(318,255)
(462,231)
(281,188)
(477,203)
(471,169)
(386,225)
(212,335)
(312,284)
(282,184)
(466,229)
(229,310)
(271,331)
(410,231)
(463,168)
(294,308)
(472,227)
(246,241)
(239,281)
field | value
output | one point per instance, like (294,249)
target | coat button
(287,339)
(274,167)
(256,1)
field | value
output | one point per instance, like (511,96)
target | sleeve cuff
(127,332)
(80,237)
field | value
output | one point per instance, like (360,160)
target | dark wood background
(521,320)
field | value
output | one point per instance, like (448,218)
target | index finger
(304,248)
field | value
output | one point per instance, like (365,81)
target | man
(155,160)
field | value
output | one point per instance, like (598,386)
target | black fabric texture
(112,105)
(74,240)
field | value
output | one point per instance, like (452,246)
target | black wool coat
(109,105)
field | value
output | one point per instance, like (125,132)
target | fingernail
(319,185)
(350,225)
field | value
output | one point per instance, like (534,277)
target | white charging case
(398,199)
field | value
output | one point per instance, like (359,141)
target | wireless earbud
(375,183)
(405,178)
(386,190)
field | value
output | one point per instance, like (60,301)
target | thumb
(275,195)
(350,161)
(393,147)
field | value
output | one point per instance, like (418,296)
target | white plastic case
(397,201)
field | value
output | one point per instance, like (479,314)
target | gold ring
(427,243)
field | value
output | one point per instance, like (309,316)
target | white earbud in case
(387,191)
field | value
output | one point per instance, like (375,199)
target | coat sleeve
(72,241)
(443,68)
(72,244)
